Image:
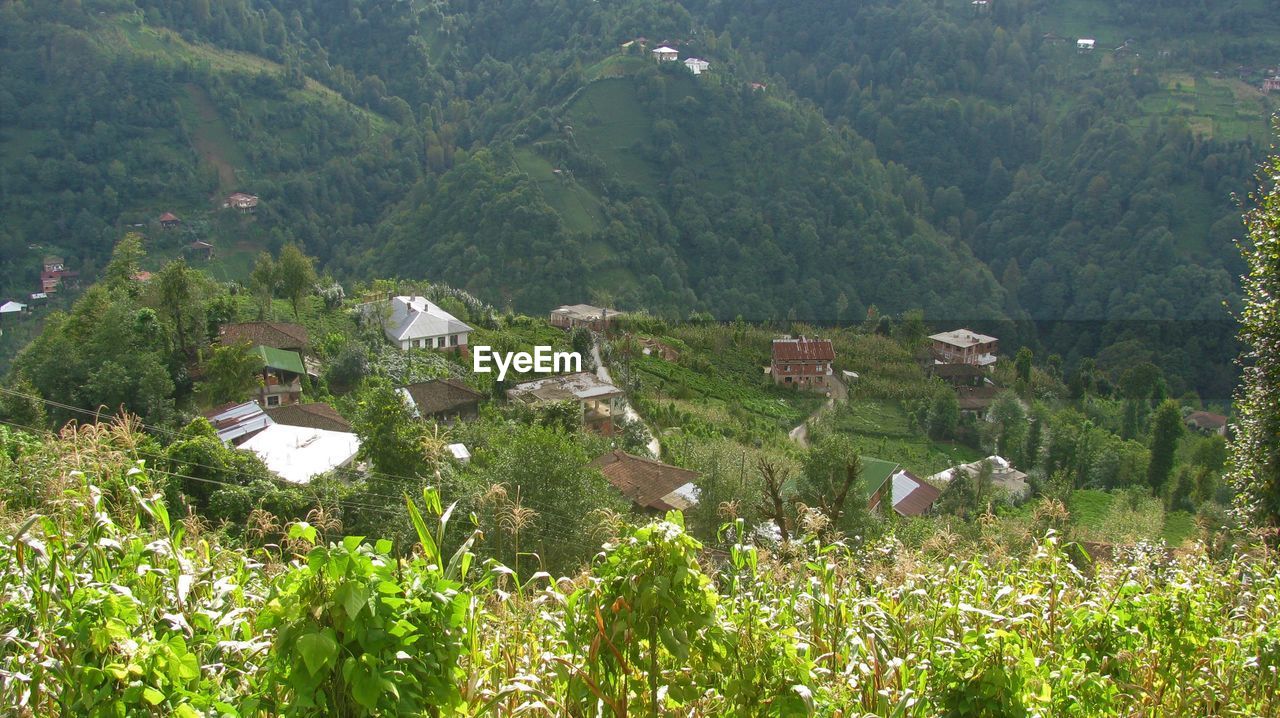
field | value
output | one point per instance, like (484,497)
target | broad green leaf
(319,650)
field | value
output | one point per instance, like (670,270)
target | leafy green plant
(359,631)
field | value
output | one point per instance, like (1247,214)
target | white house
(12,308)
(666,54)
(416,323)
(1085,44)
(697,66)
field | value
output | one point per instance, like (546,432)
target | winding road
(839,393)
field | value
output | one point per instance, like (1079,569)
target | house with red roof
(169,220)
(802,363)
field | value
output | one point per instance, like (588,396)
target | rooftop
(280,335)
(650,484)
(416,318)
(299,453)
(803,349)
(875,472)
(441,396)
(280,359)
(582,386)
(962,338)
(1003,475)
(234,422)
(317,415)
(1207,420)
(911,495)
(584,312)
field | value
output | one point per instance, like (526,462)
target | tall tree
(297,275)
(1010,420)
(230,374)
(1255,452)
(832,481)
(391,439)
(1166,429)
(124,262)
(176,293)
(1022,367)
(263,281)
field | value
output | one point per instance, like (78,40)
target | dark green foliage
(1166,429)
(201,466)
(943,415)
(1255,452)
(391,439)
(231,374)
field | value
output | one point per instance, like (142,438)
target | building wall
(802,374)
(433,343)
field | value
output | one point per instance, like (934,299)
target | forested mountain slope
(908,154)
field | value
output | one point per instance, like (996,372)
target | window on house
(453,340)
(273,400)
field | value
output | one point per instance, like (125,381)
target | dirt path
(602,373)
(839,393)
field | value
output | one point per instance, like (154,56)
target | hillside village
(288,420)
(342,391)
(376,358)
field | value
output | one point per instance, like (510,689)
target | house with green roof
(875,478)
(282,372)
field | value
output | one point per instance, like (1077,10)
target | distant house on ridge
(242,202)
(572,316)
(666,54)
(1207,422)
(697,66)
(600,401)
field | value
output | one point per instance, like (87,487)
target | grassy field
(1222,108)
(719,378)
(579,210)
(882,428)
(609,120)
(1114,518)
(210,136)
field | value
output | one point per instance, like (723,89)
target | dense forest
(919,155)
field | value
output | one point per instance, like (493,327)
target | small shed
(169,220)
(1085,44)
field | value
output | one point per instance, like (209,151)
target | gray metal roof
(418,318)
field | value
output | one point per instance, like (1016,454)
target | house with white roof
(1003,475)
(697,66)
(1085,44)
(666,54)
(300,453)
(964,346)
(12,308)
(417,323)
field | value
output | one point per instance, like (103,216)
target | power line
(563,538)
(169,432)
